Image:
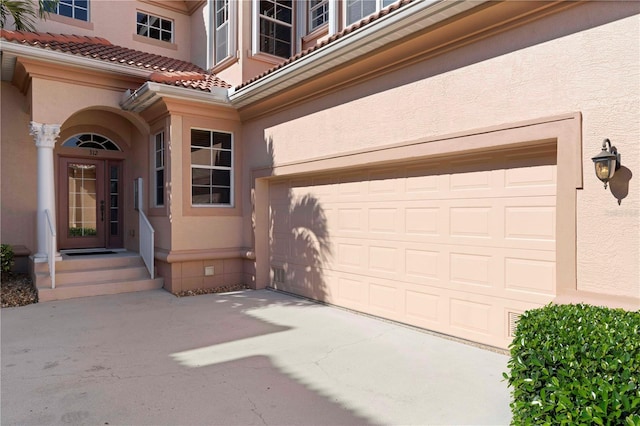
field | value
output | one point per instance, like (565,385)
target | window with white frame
(275,27)
(222,27)
(318,13)
(359,9)
(154,27)
(76,9)
(159,167)
(211,168)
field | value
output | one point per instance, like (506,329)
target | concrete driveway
(254,357)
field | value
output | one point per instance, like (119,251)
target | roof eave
(150,92)
(413,17)
(60,58)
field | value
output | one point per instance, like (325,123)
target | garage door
(459,246)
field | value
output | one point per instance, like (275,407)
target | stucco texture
(583,60)
(18,158)
(122,30)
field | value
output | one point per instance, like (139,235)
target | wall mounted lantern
(607,162)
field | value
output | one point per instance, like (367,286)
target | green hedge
(576,364)
(6,257)
(82,232)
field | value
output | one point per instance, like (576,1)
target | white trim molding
(150,92)
(392,27)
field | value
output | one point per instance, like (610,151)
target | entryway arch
(98,152)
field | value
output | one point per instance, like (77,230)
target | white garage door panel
(453,247)
(485,222)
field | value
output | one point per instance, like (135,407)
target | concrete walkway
(254,357)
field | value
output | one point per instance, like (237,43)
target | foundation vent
(278,275)
(513,322)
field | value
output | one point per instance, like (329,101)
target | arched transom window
(92,141)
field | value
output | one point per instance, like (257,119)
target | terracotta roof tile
(331,39)
(165,70)
(98,48)
(28,37)
(162,69)
(191,80)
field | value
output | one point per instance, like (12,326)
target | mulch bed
(222,289)
(17,290)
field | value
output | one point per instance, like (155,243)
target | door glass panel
(82,200)
(113,195)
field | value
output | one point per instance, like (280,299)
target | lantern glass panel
(602,169)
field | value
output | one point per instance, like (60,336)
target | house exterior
(427,162)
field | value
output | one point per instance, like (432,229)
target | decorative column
(45,136)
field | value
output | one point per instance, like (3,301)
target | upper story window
(154,27)
(211,168)
(318,13)
(76,9)
(359,9)
(275,27)
(222,34)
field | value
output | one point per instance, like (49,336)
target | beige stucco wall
(17,160)
(190,239)
(56,101)
(78,108)
(116,21)
(202,228)
(585,59)
(199,25)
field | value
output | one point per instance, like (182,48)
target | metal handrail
(51,247)
(147,236)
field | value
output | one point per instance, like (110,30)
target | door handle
(102,210)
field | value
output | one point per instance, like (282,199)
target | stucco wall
(56,101)
(78,109)
(116,21)
(199,23)
(585,59)
(135,153)
(199,228)
(17,159)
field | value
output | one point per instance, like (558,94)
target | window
(318,13)
(154,27)
(211,170)
(276,27)
(158,177)
(91,141)
(222,26)
(76,9)
(359,9)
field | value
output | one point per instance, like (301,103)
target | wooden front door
(90,203)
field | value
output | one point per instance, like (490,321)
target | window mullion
(268,18)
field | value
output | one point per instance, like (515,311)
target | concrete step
(98,289)
(93,262)
(85,276)
(100,275)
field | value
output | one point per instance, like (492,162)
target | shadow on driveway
(254,357)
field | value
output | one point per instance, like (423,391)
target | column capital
(45,135)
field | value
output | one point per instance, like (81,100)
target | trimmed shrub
(6,257)
(576,364)
(82,232)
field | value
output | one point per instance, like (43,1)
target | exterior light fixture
(607,162)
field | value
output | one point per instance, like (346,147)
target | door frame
(104,239)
